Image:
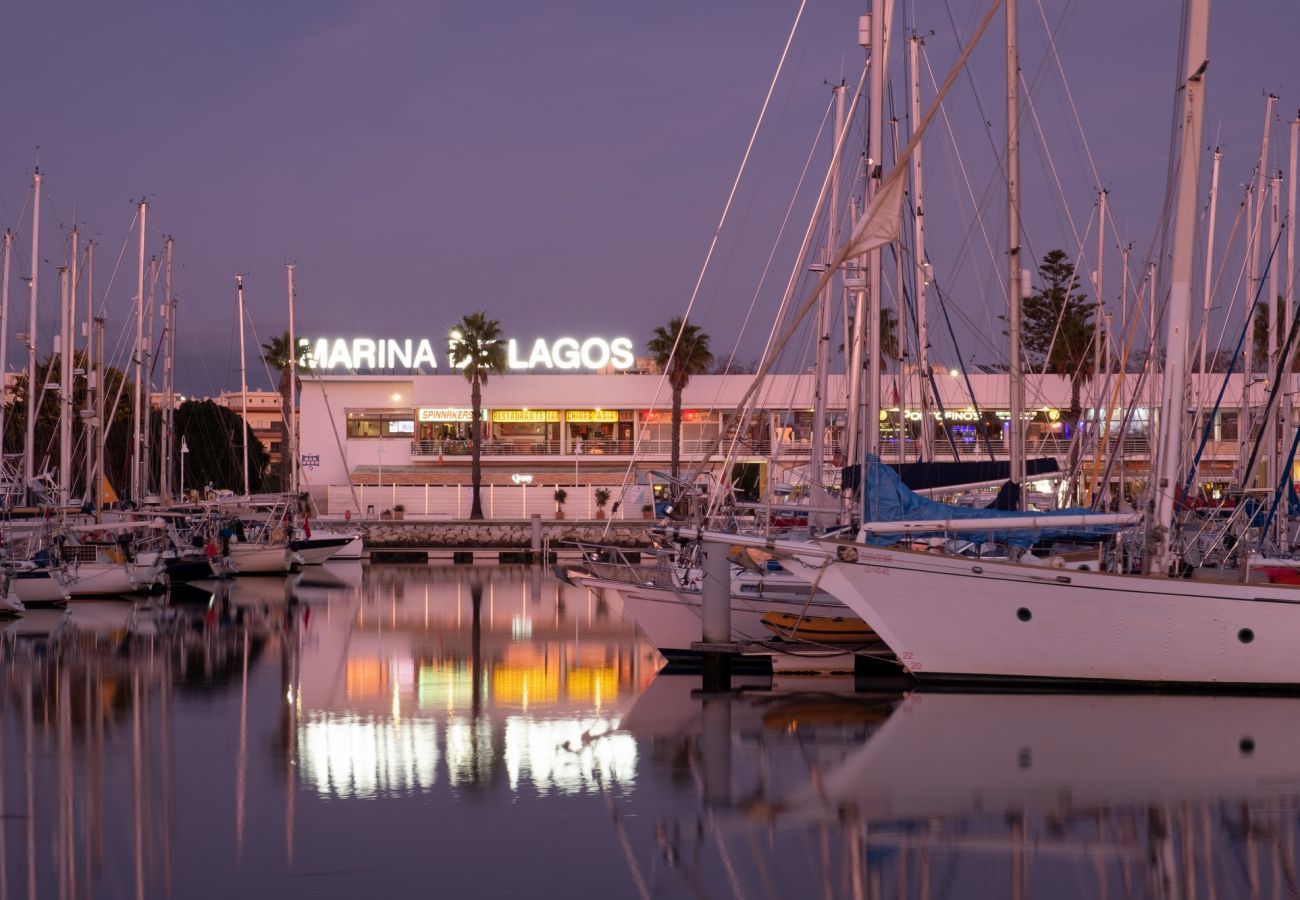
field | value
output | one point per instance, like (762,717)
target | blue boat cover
(887,499)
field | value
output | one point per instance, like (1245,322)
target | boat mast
(920,268)
(1209,266)
(67,375)
(169,377)
(137,407)
(4,329)
(243,380)
(89,414)
(1288,403)
(65,392)
(1098,356)
(1273,433)
(146,446)
(817,444)
(29,442)
(1255,218)
(290,415)
(1173,401)
(101,429)
(881,10)
(1014,288)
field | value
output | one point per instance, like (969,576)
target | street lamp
(185,449)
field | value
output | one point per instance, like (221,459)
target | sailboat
(972,620)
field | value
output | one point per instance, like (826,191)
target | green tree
(275,353)
(117,407)
(216,457)
(477,349)
(681,350)
(1058,325)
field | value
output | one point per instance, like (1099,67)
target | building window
(373,423)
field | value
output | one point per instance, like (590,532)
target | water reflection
(379,730)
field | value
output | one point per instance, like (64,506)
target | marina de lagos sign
(566,354)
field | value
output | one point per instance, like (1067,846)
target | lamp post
(185,449)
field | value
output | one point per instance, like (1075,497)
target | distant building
(264,417)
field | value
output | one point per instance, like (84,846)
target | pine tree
(1058,325)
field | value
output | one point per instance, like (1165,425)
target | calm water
(490,732)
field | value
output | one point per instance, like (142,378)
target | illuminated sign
(661,415)
(521,478)
(525,415)
(447,414)
(564,354)
(591,415)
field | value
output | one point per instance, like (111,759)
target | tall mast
(4,330)
(1288,403)
(1173,401)
(1206,286)
(89,414)
(919,266)
(817,444)
(243,381)
(101,429)
(169,377)
(29,443)
(68,353)
(1255,223)
(1273,429)
(1014,288)
(1098,288)
(146,446)
(65,388)
(138,360)
(290,414)
(880,11)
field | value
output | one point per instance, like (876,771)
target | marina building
(376,442)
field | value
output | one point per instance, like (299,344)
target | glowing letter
(363,350)
(541,356)
(423,354)
(320,357)
(400,352)
(512,355)
(595,353)
(339,358)
(621,353)
(565,353)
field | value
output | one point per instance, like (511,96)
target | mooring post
(716,621)
(537,538)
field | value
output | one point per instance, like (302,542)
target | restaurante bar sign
(404,354)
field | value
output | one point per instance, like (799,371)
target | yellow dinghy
(820,629)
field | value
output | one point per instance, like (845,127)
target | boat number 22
(910,661)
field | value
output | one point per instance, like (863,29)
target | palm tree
(275,353)
(681,350)
(477,348)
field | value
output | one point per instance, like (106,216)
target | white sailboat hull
(258,559)
(970,620)
(99,579)
(37,588)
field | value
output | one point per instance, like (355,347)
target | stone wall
(397,535)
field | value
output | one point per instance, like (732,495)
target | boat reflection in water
(490,731)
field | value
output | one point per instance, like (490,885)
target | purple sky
(561,166)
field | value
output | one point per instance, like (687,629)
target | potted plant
(560,496)
(602,498)
(399,512)
(648,511)
(386,515)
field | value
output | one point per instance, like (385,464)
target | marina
(802,451)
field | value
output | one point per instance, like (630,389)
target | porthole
(1023,614)
(1245,635)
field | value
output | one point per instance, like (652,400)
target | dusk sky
(563,166)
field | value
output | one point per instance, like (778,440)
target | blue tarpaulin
(887,499)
